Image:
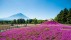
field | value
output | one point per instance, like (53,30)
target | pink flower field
(49,30)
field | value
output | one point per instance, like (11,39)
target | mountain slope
(16,16)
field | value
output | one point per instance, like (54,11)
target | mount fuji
(16,16)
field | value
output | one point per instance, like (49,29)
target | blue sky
(40,9)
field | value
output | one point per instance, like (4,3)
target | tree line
(64,16)
(22,21)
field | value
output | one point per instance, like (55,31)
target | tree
(30,21)
(59,17)
(62,16)
(35,21)
(20,21)
(23,21)
(1,22)
(14,21)
(65,15)
(69,17)
(26,22)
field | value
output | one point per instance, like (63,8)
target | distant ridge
(16,16)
